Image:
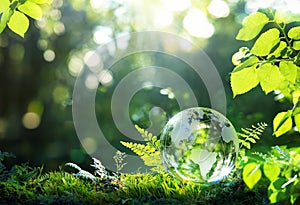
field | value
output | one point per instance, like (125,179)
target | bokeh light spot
(31,120)
(102,35)
(163,19)
(105,78)
(49,55)
(89,144)
(91,82)
(219,8)
(197,24)
(92,59)
(75,66)
(60,94)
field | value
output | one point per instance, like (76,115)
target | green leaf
(282,45)
(282,123)
(253,60)
(4,5)
(269,77)
(271,170)
(277,196)
(251,174)
(278,183)
(288,70)
(266,42)
(41,1)
(296,45)
(296,95)
(244,80)
(4,19)
(294,33)
(294,198)
(18,23)
(252,25)
(297,121)
(239,56)
(31,9)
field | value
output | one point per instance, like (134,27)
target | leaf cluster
(148,152)
(281,166)
(14,14)
(272,62)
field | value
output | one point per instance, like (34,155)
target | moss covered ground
(26,185)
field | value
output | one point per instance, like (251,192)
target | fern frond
(75,166)
(148,152)
(86,175)
(149,137)
(251,135)
(81,173)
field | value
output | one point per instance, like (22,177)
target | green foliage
(251,174)
(282,123)
(251,135)
(252,25)
(26,185)
(148,152)
(15,12)
(272,62)
(281,166)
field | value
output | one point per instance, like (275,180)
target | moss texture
(26,185)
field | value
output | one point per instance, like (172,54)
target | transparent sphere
(200,145)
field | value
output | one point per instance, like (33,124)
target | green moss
(25,185)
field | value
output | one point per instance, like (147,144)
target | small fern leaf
(247,145)
(75,166)
(86,175)
(252,140)
(251,135)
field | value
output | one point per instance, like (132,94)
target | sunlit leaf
(41,1)
(252,25)
(244,80)
(269,77)
(271,171)
(296,95)
(4,19)
(31,9)
(282,123)
(18,23)
(251,174)
(294,33)
(266,42)
(297,121)
(296,45)
(282,45)
(4,5)
(294,198)
(288,70)
(247,63)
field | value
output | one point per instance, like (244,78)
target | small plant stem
(284,34)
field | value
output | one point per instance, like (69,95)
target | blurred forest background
(38,73)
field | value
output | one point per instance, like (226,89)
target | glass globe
(200,145)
